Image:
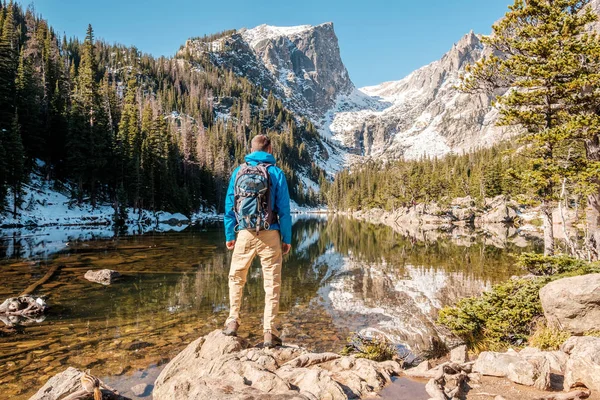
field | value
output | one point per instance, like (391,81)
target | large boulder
(583,365)
(510,365)
(222,367)
(573,304)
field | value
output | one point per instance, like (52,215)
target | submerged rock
(222,367)
(573,304)
(141,390)
(102,276)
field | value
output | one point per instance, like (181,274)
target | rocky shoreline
(218,367)
(459,212)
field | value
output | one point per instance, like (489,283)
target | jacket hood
(260,157)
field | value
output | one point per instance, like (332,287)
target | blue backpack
(252,193)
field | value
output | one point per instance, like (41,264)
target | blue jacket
(280,198)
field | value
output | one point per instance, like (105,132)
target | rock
(313,383)
(573,304)
(306,360)
(514,367)
(102,276)
(66,383)
(222,367)
(556,359)
(137,345)
(459,354)
(59,385)
(141,390)
(500,210)
(474,377)
(583,366)
(420,370)
(27,306)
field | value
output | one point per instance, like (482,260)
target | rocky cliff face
(422,114)
(301,64)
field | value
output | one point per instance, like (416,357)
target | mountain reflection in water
(343,276)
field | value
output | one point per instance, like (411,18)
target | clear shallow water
(342,276)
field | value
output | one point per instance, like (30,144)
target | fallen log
(31,288)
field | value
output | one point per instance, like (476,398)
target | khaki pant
(267,244)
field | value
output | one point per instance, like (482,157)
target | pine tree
(28,102)
(8,68)
(544,53)
(15,163)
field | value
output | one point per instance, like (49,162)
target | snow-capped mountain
(300,64)
(422,114)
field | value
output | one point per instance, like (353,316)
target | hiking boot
(271,340)
(231,329)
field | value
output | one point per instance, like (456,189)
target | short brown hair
(260,143)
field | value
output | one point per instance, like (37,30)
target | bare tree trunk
(548,228)
(15,201)
(563,202)
(592,149)
(593,239)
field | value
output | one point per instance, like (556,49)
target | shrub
(376,348)
(505,315)
(540,265)
(548,338)
(500,317)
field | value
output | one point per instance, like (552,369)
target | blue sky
(379,40)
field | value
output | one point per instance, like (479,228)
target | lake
(342,276)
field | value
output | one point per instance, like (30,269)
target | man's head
(262,143)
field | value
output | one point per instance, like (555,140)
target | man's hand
(230,245)
(286,248)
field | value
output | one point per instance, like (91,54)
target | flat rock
(583,365)
(221,367)
(102,276)
(573,304)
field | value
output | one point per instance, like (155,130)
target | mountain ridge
(422,114)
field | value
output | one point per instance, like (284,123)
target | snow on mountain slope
(422,114)
(268,32)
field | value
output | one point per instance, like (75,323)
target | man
(265,231)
